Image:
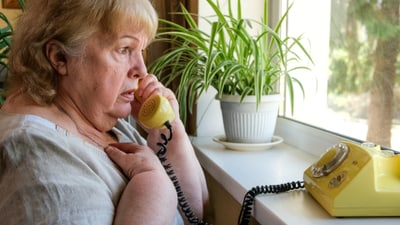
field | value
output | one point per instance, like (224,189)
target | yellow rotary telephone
(352,180)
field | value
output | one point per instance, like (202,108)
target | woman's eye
(124,50)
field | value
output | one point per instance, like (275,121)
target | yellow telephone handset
(155,111)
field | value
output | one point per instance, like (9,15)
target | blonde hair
(71,23)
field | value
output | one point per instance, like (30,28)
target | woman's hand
(149,197)
(134,159)
(150,85)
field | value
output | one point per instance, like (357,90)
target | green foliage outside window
(353,49)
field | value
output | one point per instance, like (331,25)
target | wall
(224,208)
(11,14)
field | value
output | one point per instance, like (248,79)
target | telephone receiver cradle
(155,112)
(353,180)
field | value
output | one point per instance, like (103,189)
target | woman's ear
(55,54)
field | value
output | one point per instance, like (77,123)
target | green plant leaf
(230,56)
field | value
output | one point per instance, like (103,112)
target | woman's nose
(138,69)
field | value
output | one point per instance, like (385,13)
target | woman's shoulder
(43,163)
(20,125)
(31,138)
(26,138)
(16,124)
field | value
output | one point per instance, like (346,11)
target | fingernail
(108,148)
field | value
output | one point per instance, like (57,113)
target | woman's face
(102,82)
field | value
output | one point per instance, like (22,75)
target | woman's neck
(84,128)
(58,113)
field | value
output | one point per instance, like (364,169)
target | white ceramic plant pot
(245,123)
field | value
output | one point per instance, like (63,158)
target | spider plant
(229,56)
(5,44)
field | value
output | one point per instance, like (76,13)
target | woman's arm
(181,156)
(149,197)
(180,152)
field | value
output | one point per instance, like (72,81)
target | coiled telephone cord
(248,200)
(183,204)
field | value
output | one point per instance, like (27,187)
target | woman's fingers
(133,158)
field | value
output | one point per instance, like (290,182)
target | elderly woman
(67,157)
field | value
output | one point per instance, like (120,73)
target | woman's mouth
(128,95)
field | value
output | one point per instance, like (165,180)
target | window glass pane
(353,86)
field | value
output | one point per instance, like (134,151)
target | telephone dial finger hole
(330,160)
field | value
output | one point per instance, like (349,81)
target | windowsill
(239,171)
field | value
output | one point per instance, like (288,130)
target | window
(353,86)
